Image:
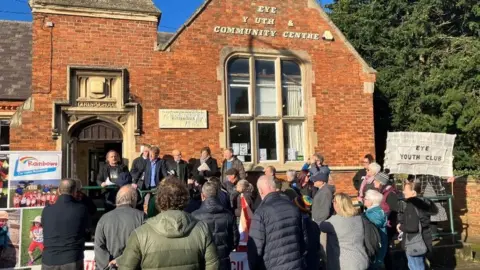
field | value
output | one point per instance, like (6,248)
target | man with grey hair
(375,214)
(115,227)
(65,225)
(221,222)
(277,237)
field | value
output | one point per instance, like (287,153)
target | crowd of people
(197,217)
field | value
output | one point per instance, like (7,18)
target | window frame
(279,119)
(250,105)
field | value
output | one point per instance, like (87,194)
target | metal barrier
(448,198)
(100,209)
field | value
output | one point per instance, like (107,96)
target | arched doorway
(89,144)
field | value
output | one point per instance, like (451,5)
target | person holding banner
(414,226)
(221,222)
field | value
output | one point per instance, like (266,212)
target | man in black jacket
(221,222)
(178,167)
(278,235)
(155,170)
(65,224)
(139,164)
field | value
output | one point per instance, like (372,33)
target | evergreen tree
(427,54)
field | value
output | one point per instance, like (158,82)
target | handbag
(415,246)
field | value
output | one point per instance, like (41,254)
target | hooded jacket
(410,218)
(223,226)
(172,240)
(379,219)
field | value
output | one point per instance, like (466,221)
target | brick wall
(466,205)
(185,76)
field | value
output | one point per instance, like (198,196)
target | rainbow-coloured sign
(36,166)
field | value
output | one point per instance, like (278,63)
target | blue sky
(175,12)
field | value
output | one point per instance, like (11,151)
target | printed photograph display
(39,193)
(10,229)
(32,237)
(4,156)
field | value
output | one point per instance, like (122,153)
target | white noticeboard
(236,149)
(420,153)
(292,154)
(263,154)
(243,151)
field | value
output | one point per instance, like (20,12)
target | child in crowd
(414,224)
(36,234)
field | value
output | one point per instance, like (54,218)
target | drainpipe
(69,158)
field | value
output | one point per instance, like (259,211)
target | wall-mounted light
(327,35)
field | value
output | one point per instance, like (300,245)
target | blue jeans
(416,263)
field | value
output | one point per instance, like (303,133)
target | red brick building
(276,80)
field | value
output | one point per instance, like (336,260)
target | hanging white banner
(420,153)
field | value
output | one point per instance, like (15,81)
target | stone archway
(87,148)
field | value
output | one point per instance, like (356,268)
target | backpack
(373,240)
(384,205)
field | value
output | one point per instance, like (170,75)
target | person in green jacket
(173,239)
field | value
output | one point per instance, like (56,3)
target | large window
(266,109)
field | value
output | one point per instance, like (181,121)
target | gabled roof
(311,4)
(137,6)
(15,60)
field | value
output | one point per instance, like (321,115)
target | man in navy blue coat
(278,235)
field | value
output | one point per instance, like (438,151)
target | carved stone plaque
(98,89)
(187,119)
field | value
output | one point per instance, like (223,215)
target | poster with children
(33,194)
(10,228)
(34,178)
(4,156)
(32,238)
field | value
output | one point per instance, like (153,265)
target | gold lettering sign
(193,119)
(270,11)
